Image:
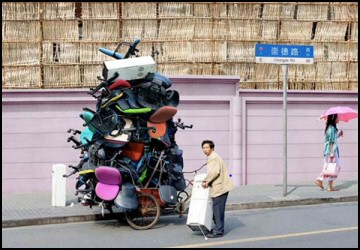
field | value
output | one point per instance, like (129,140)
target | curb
(229,207)
(55,220)
(273,204)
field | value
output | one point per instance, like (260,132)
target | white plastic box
(129,68)
(200,209)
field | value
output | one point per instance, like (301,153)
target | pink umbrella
(345,113)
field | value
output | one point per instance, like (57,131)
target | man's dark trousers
(219,203)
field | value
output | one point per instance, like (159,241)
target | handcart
(151,205)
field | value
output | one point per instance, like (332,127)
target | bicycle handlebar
(104,84)
(111,53)
(74,140)
(132,48)
(76,169)
(74,131)
(115,54)
(181,125)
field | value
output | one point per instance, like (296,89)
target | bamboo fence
(354,31)
(55,44)
(174,52)
(89,74)
(271,11)
(244,10)
(244,30)
(201,52)
(203,29)
(201,69)
(146,29)
(353,71)
(175,10)
(59,76)
(16,54)
(145,49)
(203,10)
(294,30)
(177,29)
(288,10)
(100,30)
(139,10)
(55,30)
(219,10)
(324,71)
(100,11)
(62,11)
(353,52)
(20,11)
(60,53)
(21,77)
(89,52)
(269,30)
(330,31)
(312,12)
(21,31)
(221,28)
(221,52)
(343,12)
(243,50)
(175,69)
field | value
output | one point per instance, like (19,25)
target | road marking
(266,238)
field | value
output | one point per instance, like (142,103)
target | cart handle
(195,171)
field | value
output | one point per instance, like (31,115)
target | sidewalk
(35,208)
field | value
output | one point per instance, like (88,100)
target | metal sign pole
(284,68)
(284,54)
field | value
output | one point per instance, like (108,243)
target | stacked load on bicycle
(128,139)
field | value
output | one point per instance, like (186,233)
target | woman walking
(331,150)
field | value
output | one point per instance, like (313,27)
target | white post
(58,185)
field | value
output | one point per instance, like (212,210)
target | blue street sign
(284,54)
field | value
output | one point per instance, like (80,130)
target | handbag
(330,169)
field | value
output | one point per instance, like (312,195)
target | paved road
(28,209)
(326,225)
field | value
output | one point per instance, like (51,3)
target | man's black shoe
(212,235)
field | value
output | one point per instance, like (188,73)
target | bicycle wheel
(147,215)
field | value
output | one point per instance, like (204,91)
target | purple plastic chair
(109,181)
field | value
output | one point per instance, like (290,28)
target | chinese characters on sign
(284,54)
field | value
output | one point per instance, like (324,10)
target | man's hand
(204,184)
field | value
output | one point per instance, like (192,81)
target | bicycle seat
(152,95)
(109,181)
(120,84)
(160,129)
(163,114)
(85,135)
(127,197)
(159,79)
(168,194)
(129,111)
(172,97)
(134,150)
